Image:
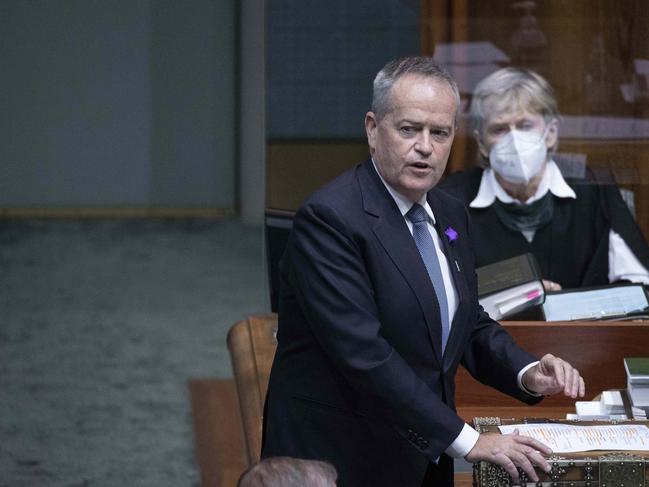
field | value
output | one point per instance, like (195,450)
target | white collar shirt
(490,189)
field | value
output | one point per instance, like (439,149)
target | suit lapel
(392,232)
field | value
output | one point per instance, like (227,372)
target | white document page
(566,438)
(594,304)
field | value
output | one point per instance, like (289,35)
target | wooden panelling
(295,169)
(218,436)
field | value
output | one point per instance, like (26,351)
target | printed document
(566,438)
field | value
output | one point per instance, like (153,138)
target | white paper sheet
(566,438)
(594,304)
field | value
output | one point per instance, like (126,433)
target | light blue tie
(424,241)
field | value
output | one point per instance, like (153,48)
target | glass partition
(595,54)
(322,56)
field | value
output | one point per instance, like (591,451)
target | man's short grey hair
(509,89)
(289,472)
(395,69)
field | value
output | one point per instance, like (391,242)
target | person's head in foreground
(516,126)
(289,472)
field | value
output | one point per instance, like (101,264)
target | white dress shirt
(622,262)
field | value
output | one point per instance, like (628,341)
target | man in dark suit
(378,306)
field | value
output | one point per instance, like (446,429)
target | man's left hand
(553,375)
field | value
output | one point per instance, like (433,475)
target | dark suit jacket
(359,378)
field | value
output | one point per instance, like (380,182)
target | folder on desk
(613,302)
(510,286)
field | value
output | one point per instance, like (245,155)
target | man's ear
(371,126)
(481,147)
(552,136)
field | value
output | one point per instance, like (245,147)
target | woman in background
(581,232)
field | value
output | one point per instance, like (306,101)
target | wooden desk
(597,349)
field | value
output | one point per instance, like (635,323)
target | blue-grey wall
(193,102)
(117,103)
(321,58)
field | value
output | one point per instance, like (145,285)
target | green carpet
(101,325)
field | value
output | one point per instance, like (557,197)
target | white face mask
(519,156)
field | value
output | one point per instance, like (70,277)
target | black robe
(572,249)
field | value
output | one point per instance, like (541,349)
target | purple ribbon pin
(451,234)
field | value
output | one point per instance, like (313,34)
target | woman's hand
(551,285)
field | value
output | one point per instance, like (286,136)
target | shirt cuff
(519,380)
(623,263)
(464,442)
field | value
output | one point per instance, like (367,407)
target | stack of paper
(612,402)
(637,382)
(609,406)
(590,410)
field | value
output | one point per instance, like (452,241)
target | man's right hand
(511,451)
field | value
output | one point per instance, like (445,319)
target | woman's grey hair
(289,472)
(395,69)
(509,89)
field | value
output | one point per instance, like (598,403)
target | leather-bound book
(511,286)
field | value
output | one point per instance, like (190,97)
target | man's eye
(440,134)
(407,130)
